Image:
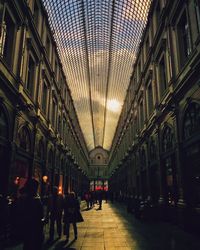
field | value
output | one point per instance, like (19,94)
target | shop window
(154,183)
(50,159)
(149,98)
(157,15)
(191,124)
(65,98)
(44,97)
(30,75)
(63,129)
(136,127)
(139,69)
(56,71)
(147,45)
(143,158)
(54,110)
(24,139)
(66,131)
(59,125)
(41,150)
(167,139)
(3,125)
(7,39)
(162,75)
(152,150)
(184,40)
(48,47)
(197,12)
(171,191)
(58,161)
(20,174)
(144,187)
(141,113)
(36,14)
(138,184)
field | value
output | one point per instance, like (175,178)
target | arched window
(152,150)
(24,139)
(62,165)
(50,159)
(41,150)
(3,125)
(191,123)
(58,161)
(142,158)
(59,125)
(167,139)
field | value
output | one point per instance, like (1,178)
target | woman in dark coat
(71,214)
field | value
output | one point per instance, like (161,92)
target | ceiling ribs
(97,42)
(88,73)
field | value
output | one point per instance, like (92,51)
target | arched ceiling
(97,42)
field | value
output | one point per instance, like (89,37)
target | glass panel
(3,125)
(191,120)
(97,43)
(167,140)
(24,139)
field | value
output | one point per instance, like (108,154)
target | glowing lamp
(45,178)
(60,190)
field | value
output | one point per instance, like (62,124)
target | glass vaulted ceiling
(97,42)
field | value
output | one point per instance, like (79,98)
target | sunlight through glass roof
(97,42)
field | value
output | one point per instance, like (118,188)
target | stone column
(161,184)
(178,148)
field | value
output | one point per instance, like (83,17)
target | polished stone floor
(113,228)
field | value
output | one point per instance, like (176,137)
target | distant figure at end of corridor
(100,198)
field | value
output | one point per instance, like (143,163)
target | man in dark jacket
(71,214)
(54,212)
(31,214)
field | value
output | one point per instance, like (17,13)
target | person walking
(87,200)
(72,214)
(100,198)
(54,212)
(31,214)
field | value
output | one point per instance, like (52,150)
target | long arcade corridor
(113,228)
(102,95)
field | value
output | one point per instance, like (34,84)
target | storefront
(153,173)
(191,163)
(22,168)
(4,152)
(169,176)
(49,174)
(39,167)
(143,174)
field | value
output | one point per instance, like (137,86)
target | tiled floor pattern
(113,228)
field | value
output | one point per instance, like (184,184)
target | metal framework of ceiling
(97,42)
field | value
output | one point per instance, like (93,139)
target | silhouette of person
(54,211)
(100,198)
(31,212)
(71,214)
(87,200)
